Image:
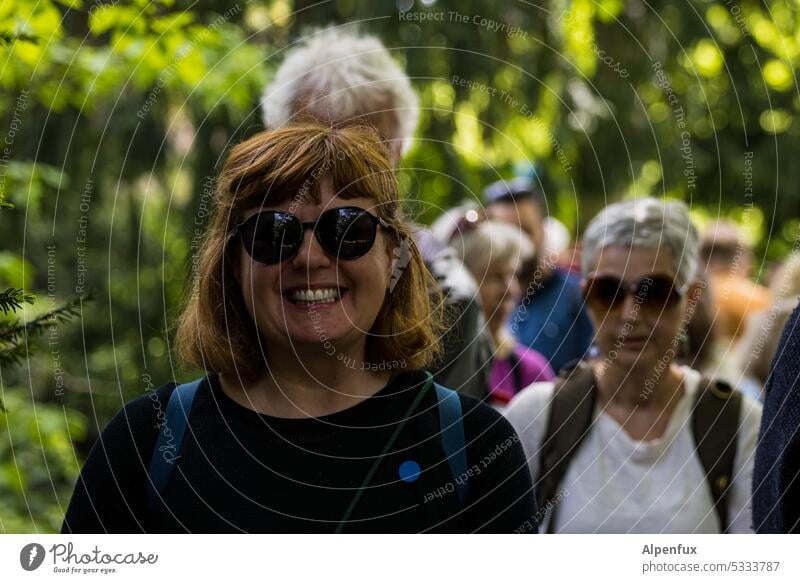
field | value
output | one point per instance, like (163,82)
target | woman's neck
(641,404)
(504,342)
(298,384)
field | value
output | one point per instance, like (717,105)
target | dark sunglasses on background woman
(653,293)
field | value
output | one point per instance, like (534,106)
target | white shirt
(615,484)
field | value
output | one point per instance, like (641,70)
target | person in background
(493,252)
(698,347)
(338,77)
(560,250)
(455,219)
(758,346)
(630,441)
(727,260)
(550,318)
(776,477)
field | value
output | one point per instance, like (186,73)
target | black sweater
(241,471)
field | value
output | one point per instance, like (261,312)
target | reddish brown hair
(215,331)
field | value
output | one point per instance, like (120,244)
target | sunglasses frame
(313,225)
(632,289)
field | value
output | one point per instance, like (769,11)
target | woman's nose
(630,307)
(310,255)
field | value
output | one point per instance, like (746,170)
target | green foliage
(12,299)
(15,335)
(6,38)
(37,462)
(120,114)
(26,183)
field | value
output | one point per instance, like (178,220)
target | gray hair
(335,76)
(645,222)
(492,241)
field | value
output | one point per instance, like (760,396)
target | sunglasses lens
(604,293)
(272,236)
(658,293)
(347,233)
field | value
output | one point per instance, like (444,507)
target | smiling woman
(312,316)
(639,443)
(269,187)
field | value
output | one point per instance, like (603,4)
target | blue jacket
(552,320)
(776,474)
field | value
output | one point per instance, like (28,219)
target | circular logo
(409,471)
(31,556)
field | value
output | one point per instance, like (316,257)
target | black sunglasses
(346,232)
(653,293)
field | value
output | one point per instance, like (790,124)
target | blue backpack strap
(170,437)
(451,425)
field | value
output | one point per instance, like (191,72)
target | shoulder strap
(569,421)
(170,437)
(715,427)
(516,371)
(451,433)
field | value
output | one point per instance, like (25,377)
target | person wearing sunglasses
(338,76)
(628,440)
(312,318)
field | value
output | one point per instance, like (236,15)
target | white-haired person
(493,253)
(339,77)
(629,441)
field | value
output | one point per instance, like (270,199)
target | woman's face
(636,333)
(499,292)
(277,296)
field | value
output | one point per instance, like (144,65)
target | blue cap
(508,190)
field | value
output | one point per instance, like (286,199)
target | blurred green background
(115,117)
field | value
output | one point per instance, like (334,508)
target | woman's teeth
(314,296)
